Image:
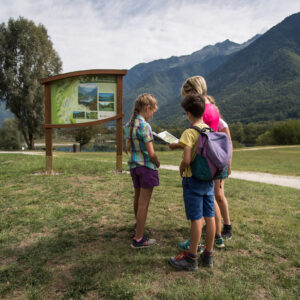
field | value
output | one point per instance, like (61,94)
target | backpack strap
(203,129)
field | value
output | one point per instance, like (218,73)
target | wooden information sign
(83,98)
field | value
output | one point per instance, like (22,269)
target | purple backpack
(212,155)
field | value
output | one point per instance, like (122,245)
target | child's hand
(158,163)
(181,171)
(173,146)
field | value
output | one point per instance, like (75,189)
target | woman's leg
(222,201)
(143,204)
(218,219)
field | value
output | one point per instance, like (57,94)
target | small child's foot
(142,243)
(227,232)
(207,259)
(186,246)
(219,242)
(184,261)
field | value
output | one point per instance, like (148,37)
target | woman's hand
(229,170)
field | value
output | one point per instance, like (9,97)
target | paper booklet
(166,136)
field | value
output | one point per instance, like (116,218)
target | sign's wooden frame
(119,116)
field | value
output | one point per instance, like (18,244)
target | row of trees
(267,133)
(251,134)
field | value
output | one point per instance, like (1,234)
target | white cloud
(119,34)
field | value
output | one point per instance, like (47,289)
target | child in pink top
(211,116)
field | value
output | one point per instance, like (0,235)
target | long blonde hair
(140,104)
(196,84)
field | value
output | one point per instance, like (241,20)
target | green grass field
(67,236)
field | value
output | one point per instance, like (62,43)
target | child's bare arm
(186,159)
(152,154)
(174,146)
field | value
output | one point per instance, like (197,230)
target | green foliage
(26,56)
(4,114)
(10,136)
(266,133)
(286,133)
(83,135)
(237,132)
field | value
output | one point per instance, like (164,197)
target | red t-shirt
(211,116)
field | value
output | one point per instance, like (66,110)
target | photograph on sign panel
(87,95)
(79,114)
(106,97)
(106,106)
(92,115)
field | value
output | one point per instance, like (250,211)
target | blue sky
(119,34)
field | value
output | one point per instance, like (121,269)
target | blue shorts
(198,198)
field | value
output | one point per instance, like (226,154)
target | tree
(10,136)
(26,56)
(237,132)
(83,135)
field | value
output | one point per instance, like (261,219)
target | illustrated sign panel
(84,98)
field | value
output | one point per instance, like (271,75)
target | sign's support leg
(49,154)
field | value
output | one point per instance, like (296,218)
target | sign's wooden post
(48,131)
(119,123)
(105,104)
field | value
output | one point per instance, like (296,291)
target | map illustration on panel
(83,99)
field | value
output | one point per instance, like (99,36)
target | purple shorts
(143,177)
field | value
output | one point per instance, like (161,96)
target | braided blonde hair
(140,104)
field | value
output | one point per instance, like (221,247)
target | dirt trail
(282,180)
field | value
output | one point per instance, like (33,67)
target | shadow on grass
(71,264)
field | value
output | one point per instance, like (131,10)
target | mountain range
(255,81)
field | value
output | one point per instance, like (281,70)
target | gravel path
(288,181)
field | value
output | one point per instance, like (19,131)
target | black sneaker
(227,232)
(184,262)
(207,259)
(144,243)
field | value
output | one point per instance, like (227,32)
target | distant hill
(262,81)
(4,114)
(163,78)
